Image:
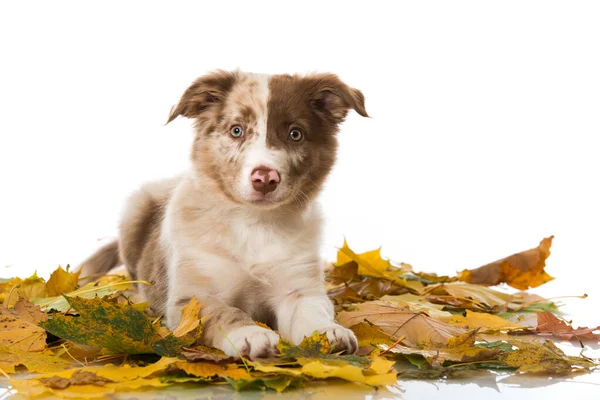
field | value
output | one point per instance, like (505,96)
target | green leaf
(113,326)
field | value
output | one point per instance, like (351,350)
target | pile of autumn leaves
(93,340)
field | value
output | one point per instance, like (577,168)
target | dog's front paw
(341,339)
(251,341)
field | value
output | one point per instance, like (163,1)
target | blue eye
(295,135)
(237,131)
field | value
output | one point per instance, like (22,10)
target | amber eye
(295,135)
(237,131)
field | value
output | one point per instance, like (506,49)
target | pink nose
(264,179)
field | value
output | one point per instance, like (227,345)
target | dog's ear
(334,98)
(206,92)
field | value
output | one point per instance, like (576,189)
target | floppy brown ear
(334,98)
(206,92)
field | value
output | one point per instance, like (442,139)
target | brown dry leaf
(78,378)
(19,331)
(61,281)
(203,353)
(366,289)
(548,324)
(458,349)
(521,271)
(343,273)
(417,329)
(418,304)
(466,295)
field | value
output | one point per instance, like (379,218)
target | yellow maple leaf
(30,288)
(190,318)
(61,282)
(41,362)
(368,334)
(369,263)
(483,321)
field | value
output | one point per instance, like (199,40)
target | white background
(483,136)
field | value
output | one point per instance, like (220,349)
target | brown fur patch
(315,105)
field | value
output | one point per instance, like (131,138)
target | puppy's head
(267,140)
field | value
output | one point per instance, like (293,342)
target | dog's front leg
(225,327)
(301,312)
(229,328)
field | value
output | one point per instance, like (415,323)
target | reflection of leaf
(19,331)
(101,323)
(122,379)
(320,370)
(549,324)
(416,329)
(521,271)
(279,383)
(78,378)
(121,373)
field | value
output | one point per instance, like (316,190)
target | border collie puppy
(240,231)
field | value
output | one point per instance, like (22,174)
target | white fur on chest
(229,245)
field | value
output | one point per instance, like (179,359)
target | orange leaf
(549,324)
(521,271)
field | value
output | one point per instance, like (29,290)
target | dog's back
(138,243)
